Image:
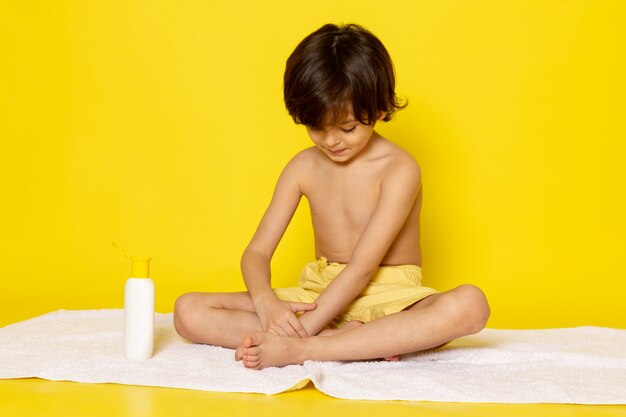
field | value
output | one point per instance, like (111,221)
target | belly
(336,246)
(339,245)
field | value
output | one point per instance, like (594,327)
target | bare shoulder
(299,165)
(401,168)
(303,160)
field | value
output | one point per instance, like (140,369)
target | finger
(289,330)
(277,330)
(298,328)
(295,307)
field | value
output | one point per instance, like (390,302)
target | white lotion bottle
(139,311)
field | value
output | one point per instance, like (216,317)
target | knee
(472,308)
(185,309)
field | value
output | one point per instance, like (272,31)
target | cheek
(362,139)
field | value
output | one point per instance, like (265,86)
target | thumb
(295,307)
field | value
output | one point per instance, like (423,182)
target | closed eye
(349,130)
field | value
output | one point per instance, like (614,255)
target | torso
(342,199)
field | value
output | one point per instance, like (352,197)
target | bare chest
(343,203)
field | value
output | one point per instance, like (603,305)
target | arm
(275,315)
(398,193)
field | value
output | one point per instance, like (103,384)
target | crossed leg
(221,319)
(429,323)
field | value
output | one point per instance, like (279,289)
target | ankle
(309,349)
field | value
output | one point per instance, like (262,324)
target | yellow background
(160,126)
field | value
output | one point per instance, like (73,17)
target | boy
(363,298)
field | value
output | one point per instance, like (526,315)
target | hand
(279,317)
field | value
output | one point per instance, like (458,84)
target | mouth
(336,152)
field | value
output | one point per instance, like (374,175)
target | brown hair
(334,68)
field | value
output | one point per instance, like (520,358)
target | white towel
(584,365)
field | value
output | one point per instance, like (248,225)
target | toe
(257,339)
(252,364)
(253,339)
(247,341)
(254,350)
(251,358)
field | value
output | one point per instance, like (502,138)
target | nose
(330,140)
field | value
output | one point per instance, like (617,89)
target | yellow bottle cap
(140,267)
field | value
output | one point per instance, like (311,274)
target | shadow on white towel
(584,365)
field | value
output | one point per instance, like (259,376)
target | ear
(382,115)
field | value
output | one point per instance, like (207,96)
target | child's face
(343,141)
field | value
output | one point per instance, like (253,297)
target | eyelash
(349,130)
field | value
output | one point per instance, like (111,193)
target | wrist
(307,321)
(263,297)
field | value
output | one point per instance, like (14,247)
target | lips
(336,152)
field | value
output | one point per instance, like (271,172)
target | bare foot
(264,350)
